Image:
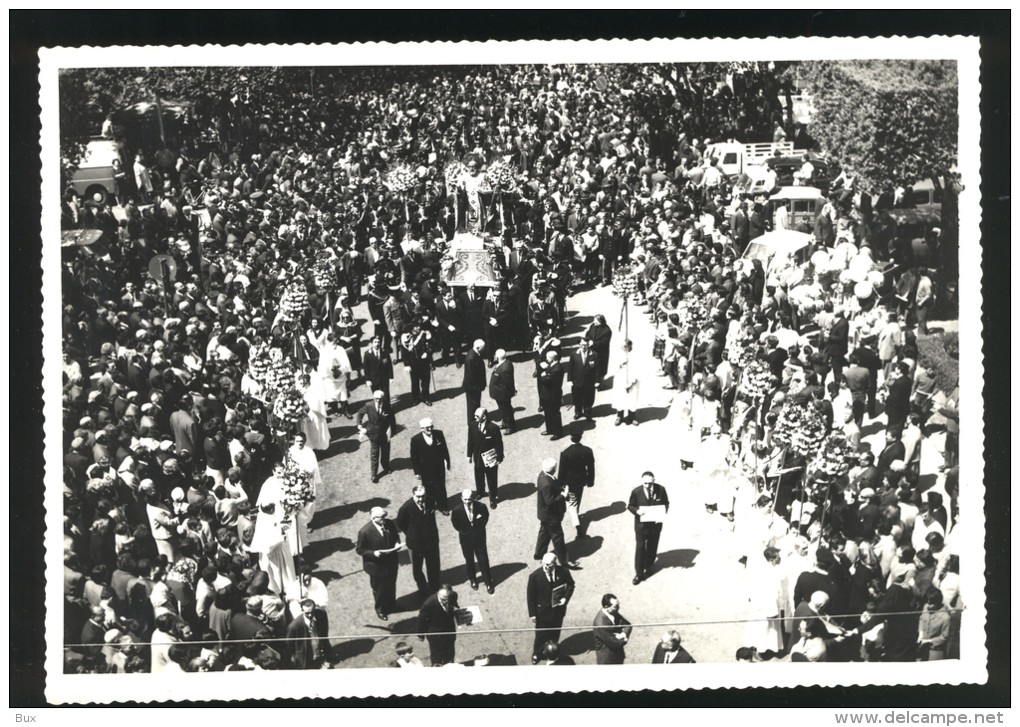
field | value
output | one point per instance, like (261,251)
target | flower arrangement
(799,427)
(400,179)
(834,456)
(298,491)
(755,380)
(500,174)
(279,375)
(290,406)
(259,364)
(324,274)
(452,173)
(294,301)
(625,283)
(692,314)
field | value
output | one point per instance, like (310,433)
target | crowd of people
(195,399)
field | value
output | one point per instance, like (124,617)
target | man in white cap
(430,458)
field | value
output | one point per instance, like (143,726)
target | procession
(339,344)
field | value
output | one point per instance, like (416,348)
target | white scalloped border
(106,689)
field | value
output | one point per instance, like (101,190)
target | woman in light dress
(333,371)
(315,423)
(626,386)
(276,557)
(767,598)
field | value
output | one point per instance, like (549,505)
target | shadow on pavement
(451,393)
(530,422)
(348,649)
(340,513)
(316,550)
(650,413)
(404,626)
(585,547)
(504,571)
(408,602)
(339,446)
(577,643)
(400,463)
(326,576)
(601,513)
(680,558)
(516,491)
(602,410)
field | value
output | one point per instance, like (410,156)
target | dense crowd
(193,404)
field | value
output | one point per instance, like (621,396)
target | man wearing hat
(430,458)
(816,579)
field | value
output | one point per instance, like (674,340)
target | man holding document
(649,503)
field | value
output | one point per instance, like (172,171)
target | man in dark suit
(376,421)
(436,622)
(577,471)
(611,632)
(469,520)
(484,437)
(416,519)
(244,626)
(450,316)
(378,367)
(496,316)
(474,378)
(378,545)
(646,534)
(583,377)
(837,344)
(552,506)
(669,650)
(502,389)
(308,637)
(550,393)
(471,302)
(542,610)
(430,458)
(893,450)
(868,357)
(897,403)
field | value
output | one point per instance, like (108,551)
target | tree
(888,121)
(893,122)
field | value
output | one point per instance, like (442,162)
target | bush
(941,353)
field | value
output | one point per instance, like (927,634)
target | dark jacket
(540,592)
(375,424)
(577,466)
(479,442)
(638,498)
(419,528)
(430,461)
(583,375)
(550,383)
(370,540)
(474,372)
(470,531)
(552,506)
(502,386)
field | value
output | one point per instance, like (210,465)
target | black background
(30,30)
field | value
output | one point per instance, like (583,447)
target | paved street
(699,577)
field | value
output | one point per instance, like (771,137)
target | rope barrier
(532,629)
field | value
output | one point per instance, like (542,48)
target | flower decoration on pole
(294,301)
(755,381)
(279,375)
(800,428)
(400,179)
(500,174)
(259,364)
(625,283)
(324,275)
(834,456)
(298,491)
(290,407)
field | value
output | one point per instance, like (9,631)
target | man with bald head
(552,506)
(378,545)
(485,451)
(549,590)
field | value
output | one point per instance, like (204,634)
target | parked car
(94,175)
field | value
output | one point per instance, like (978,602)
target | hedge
(942,354)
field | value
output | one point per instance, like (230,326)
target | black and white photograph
(388,357)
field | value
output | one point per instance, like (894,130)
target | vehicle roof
(795,193)
(797,159)
(775,243)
